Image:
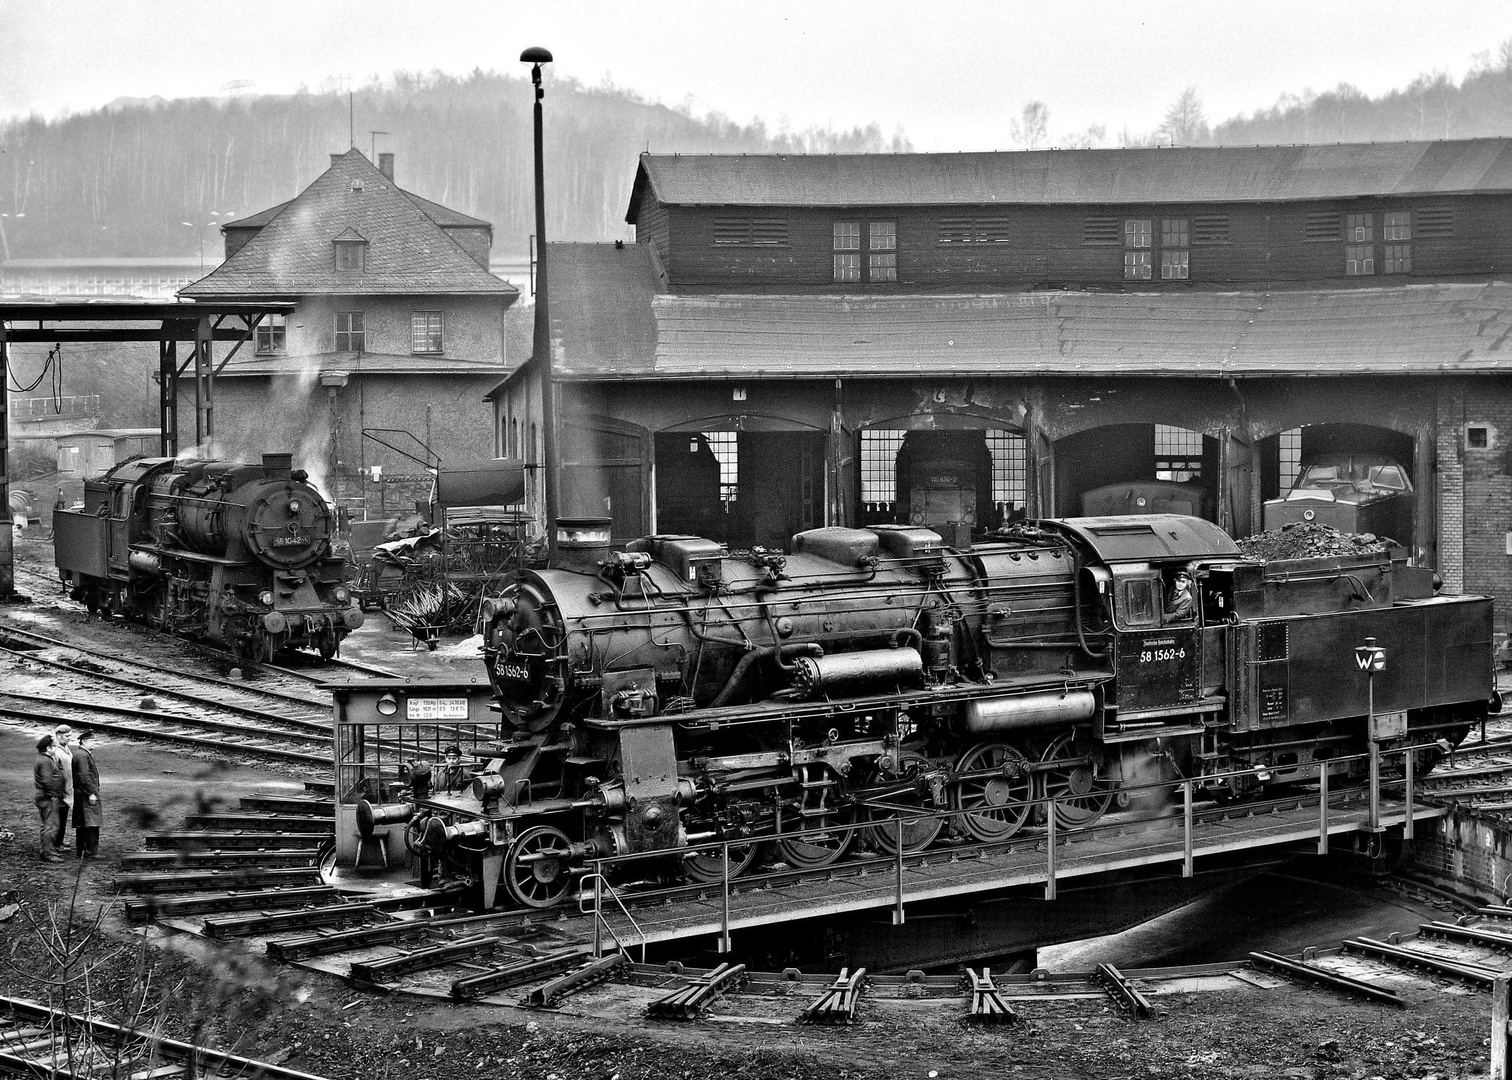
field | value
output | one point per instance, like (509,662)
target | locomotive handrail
(600,882)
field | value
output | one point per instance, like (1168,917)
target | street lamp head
(535,55)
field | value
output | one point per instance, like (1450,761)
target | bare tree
(1504,58)
(1031,130)
(1184,123)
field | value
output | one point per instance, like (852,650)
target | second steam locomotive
(672,693)
(234,553)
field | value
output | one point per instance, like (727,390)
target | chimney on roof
(336,157)
(386,165)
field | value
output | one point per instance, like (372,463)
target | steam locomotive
(235,554)
(674,693)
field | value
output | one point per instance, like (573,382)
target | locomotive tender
(233,553)
(673,693)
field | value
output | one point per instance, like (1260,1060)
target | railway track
(36,1040)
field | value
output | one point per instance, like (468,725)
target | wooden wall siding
(1229,244)
(654,228)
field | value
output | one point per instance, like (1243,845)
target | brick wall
(1471,853)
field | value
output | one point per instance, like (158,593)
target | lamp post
(4,241)
(201,230)
(541,343)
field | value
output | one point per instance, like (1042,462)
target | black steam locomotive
(673,693)
(232,553)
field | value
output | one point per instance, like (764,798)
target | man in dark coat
(49,783)
(88,814)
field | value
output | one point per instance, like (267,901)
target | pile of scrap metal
(434,581)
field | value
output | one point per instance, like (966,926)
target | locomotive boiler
(234,553)
(673,693)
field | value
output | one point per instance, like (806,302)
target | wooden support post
(168,398)
(1500,990)
(7,544)
(204,385)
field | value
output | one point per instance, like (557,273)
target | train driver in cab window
(1181,604)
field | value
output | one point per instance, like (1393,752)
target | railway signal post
(1371,659)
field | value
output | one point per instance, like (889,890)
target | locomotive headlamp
(293,506)
(342,596)
(266,597)
(388,705)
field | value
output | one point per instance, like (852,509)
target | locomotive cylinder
(1029,711)
(858,672)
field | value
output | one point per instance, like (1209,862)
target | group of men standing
(67,778)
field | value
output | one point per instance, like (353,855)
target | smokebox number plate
(430,708)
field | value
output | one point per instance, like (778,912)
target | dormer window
(351,251)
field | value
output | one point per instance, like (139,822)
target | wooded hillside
(122,180)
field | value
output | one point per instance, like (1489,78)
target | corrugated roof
(609,321)
(1205,174)
(407,251)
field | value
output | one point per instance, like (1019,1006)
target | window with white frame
(725,446)
(882,251)
(350,335)
(1138,241)
(1175,238)
(425,332)
(271,335)
(1178,453)
(879,464)
(1009,470)
(847,251)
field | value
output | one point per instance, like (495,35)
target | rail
(1172,798)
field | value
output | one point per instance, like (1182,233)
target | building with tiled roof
(400,328)
(791,336)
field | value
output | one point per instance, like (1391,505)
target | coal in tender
(1307,540)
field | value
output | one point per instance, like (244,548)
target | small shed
(82,454)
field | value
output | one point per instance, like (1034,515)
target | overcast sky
(951,73)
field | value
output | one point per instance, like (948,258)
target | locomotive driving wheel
(1081,795)
(707,867)
(917,833)
(821,810)
(993,807)
(536,870)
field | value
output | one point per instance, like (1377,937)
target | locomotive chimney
(277,466)
(582,543)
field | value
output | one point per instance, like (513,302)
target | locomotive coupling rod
(1350,985)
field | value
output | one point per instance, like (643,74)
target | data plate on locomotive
(429,708)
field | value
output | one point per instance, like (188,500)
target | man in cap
(88,815)
(49,784)
(62,751)
(1182,604)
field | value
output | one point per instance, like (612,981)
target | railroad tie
(1122,990)
(1479,974)
(837,1005)
(698,994)
(1323,976)
(516,973)
(590,974)
(987,1003)
(377,971)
